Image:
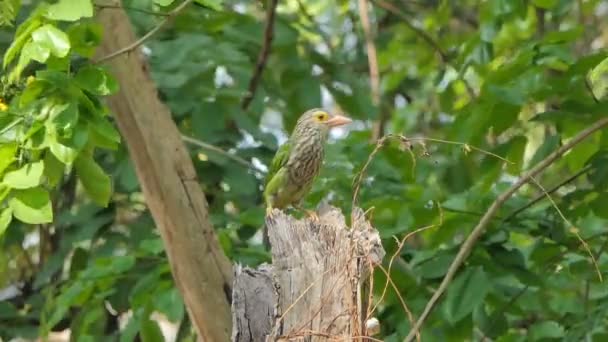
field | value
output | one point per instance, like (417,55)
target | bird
(298,161)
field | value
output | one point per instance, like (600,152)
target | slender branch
(372,60)
(129,8)
(221,151)
(315,25)
(540,196)
(445,60)
(589,87)
(425,36)
(263,56)
(469,243)
(174,12)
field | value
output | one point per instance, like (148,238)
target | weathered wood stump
(315,287)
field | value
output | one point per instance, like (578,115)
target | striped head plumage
(308,139)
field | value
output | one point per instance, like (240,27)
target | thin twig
(263,56)
(573,229)
(219,150)
(400,245)
(315,25)
(407,143)
(128,8)
(148,35)
(550,263)
(372,61)
(425,36)
(469,243)
(589,87)
(445,60)
(410,316)
(540,196)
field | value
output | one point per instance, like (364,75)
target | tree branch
(372,60)
(221,151)
(148,35)
(444,58)
(469,243)
(170,184)
(129,8)
(263,56)
(425,36)
(540,196)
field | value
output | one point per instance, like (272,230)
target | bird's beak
(338,120)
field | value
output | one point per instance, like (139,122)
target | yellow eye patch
(321,116)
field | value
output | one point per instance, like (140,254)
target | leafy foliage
(513,78)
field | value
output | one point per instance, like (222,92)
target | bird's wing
(279,160)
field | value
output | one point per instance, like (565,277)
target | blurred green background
(512,77)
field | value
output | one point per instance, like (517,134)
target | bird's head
(319,120)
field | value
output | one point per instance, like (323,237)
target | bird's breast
(305,162)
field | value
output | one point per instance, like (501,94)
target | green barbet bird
(298,161)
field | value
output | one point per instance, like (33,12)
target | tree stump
(315,288)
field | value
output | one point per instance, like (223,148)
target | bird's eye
(321,116)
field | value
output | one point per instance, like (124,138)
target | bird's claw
(313,216)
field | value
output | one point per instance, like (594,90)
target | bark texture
(316,285)
(169,182)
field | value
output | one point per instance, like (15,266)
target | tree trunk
(316,286)
(167,176)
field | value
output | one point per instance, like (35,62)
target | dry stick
(263,56)
(216,149)
(410,316)
(148,35)
(400,245)
(469,243)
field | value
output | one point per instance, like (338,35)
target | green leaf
(152,246)
(65,118)
(94,180)
(32,206)
(150,332)
(96,80)
(467,291)
(5,219)
(33,50)
(213,4)
(50,37)
(164,2)
(85,37)
(103,134)
(53,169)
(70,10)
(547,329)
(170,303)
(64,153)
(516,154)
(26,177)
(22,36)
(7,155)
(546,4)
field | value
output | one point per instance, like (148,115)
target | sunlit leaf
(31,206)
(28,176)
